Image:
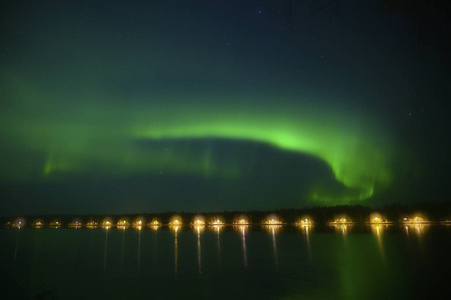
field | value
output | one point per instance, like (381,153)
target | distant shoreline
(357,214)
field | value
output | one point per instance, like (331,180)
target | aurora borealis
(162,106)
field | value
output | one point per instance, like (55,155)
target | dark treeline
(356,213)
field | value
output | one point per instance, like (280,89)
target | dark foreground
(273,262)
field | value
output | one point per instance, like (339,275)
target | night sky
(152,106)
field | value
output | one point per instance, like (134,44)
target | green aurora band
(91,136)
(355,155)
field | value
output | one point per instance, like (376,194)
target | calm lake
(252,262)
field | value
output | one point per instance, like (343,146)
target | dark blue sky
(125,106)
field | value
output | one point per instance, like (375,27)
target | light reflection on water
(217,229)
(243,229)
(106,248)
(273,229)
(16,247)
(378,230)
(139,246)
(123,246)
(175,228)
(420,228)
(416,229)
(342,228)
(155,243)
(314,264)
(306,229)
(198,229)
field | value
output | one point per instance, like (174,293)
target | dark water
(288,262)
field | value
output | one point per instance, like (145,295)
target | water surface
(253,262)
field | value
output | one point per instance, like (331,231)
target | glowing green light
(354,156)
(104,138)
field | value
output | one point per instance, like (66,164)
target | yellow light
(106,223)
(242,228)
(19,223)
(375,218)
(138,223)
(55,224)
(217,228)
(415,220)
(175,221)
(272,228)
(342,220)
(242,220)
(342,228)
(198,220)
(217,221)
(122,223)
(273,220)
(378,228)
(199,227)
(175,228)
(418,219)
